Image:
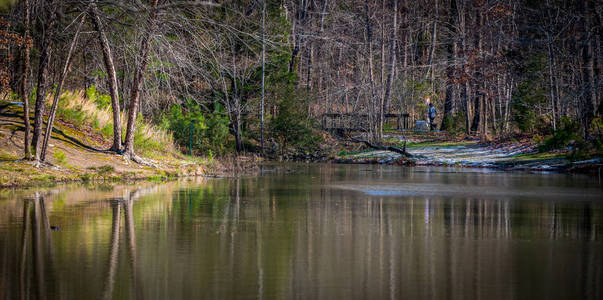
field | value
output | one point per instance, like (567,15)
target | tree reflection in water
(36,226)
(126,203)
(301,236)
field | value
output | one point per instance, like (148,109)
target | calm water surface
(309,232)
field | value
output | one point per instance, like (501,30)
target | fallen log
(384,148)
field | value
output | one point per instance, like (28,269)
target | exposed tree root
(139,160)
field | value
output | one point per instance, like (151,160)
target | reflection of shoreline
(246,237)
(36,277)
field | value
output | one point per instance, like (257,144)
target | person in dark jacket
(432,114)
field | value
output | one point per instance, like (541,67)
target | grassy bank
(76,153)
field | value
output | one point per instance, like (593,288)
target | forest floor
(77,154)
(439,149)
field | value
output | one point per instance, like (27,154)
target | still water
(309,231)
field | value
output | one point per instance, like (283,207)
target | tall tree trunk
(297,32)
(309,66)
(382,70)
(138,80)
(238,142)
(24,88)
(449,100)
(295,46)
(484,94)
(369,47)
(434,37)
(110,66)
(466,89)
(392,67)
(57,92)
(405,38)
(588,98)
(263,75)
(42,86)
(318,58)
(552,82)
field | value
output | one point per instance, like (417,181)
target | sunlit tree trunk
(57,92)
(24,87)
(134,102)
(112,77)
(43,85)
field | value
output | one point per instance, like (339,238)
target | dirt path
(510,156)
(470,155)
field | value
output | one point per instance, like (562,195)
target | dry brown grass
(149,139)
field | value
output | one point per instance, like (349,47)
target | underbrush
(568,137)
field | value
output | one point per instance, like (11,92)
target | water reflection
(112,265)
(124,204)
(314,233)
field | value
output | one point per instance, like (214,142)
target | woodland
(256,76)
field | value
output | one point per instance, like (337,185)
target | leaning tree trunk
(110,66)
(137,83)
(23,89)
(57,92)
(42,86)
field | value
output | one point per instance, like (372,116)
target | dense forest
(257,75)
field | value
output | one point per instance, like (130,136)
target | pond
(309,231)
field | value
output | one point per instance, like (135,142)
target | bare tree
(112,79)
(392,67)
(134,100)
(57,92)
(50,10)
(24,88)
